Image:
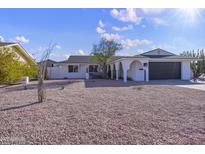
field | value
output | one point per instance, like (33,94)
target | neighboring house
(20,52)
(156,64)
(49,63)
(74,67)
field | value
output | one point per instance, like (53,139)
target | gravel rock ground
(102,112)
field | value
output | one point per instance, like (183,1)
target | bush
(12,69)
(197,67)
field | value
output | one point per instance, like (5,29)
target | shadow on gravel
(48,84)
(94,83)
(172,82)
(18,107)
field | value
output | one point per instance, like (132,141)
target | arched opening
(136,71)
(109,71)
(114,71)
(120,71)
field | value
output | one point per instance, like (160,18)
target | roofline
(184,59)
(13,44)
(124,58)
(154,59)
(82,55)
(157,49)
(28,55)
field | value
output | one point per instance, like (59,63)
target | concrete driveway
(180,83)
(194,86)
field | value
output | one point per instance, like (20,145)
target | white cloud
(52,54)
(81,52)
(150,11)
(163,46)
(2,39)
(66,56)
(110,36)
(158,21)
(128,43)
(41,48)
(126,15)
(143,26)
(21,39)
(58,47)
(123,53)
(153,15)
(101,24)
(100,30)
(124,28)
(140,51)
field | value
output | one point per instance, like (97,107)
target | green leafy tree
(12,69)
(197,67)
(103,52)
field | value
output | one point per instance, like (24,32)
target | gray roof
(80,59)
(175,57)
(160,53)
(156,53)
(49,62)
(88,59)
(136,56)
(6,43)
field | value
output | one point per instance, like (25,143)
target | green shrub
(12,69)
(197,67)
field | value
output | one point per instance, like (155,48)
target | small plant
(138,88)
(62,87)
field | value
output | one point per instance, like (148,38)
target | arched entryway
(114,71)
(120,71)
(109,71)
(136,71)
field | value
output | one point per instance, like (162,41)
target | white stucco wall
(61,72)
(135,73)
(185,70)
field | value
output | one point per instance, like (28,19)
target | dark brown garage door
(164,70)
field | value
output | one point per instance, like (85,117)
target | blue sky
(75,30)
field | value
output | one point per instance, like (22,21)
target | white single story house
(156,64)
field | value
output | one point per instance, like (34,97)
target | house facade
(19,51)
(156,64)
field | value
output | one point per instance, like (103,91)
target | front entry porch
(133,69)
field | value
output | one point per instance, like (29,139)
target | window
(93,68)
(72,68)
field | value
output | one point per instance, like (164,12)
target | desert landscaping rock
(102,112)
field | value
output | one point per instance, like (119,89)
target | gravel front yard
(102,112)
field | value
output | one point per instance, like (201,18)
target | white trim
(168,60)
(131,58)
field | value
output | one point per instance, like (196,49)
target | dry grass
(102,112)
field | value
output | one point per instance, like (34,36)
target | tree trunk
(105,72)
(41,91)
(42,74)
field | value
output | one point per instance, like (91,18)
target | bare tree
(42,73)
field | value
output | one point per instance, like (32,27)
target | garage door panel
(164,70)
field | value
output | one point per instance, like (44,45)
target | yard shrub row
(12,69)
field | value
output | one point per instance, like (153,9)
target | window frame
(73,68)
(93,69)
